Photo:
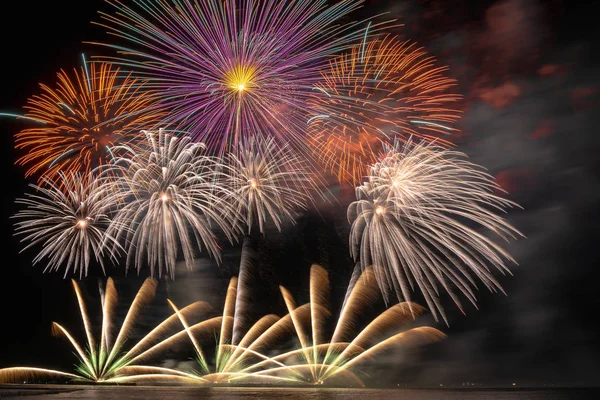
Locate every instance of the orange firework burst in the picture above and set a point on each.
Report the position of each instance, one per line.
(80, 118)
(381, 90)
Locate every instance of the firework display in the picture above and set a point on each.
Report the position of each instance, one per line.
(80, 118)
(380, 91)
(414, 220)
(209, 120)
(316, 360)
(235, 68)
(266, 182)
(106, 361)
(319, 360)
(166, 194)
(67, 218)
(244, 359)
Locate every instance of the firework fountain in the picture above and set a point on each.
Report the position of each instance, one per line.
(106, 360)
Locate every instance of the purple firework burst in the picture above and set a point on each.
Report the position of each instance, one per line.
(228, 69)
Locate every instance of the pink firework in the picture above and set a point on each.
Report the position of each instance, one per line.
(229, 69)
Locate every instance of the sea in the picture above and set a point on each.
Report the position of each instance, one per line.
(55, 392)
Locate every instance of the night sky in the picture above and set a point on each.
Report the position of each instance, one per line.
(528, 72)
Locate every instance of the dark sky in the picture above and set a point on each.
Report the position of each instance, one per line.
(528, 71)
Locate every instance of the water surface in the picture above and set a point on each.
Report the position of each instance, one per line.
(71, 392)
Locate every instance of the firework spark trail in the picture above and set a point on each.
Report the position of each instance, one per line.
(79, 119)
(362, 294)
(381, 90)
(294, 361)
(165, 196)
(143, 297)
(240, 350)
(394, 317)
(88, 369)
(199, 352)
(109, 302)
(237, 349)
(229, 313)
(243, 291)
(20, 374)
(281, 328)
(297, 354)
(205, 329)
(298, 369)
(242, 374)
(235, 320)
(151, 339)
(414, 337)
(356, 274)
(319, 296)
(298, 326)
(230, 358)
(267, 183)
(140, 373)
(413, 222)
(67, 218)
(84, 316)
(228, 69)
(254, 378)
(158, 378)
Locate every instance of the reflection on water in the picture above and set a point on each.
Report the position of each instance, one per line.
(187, 393)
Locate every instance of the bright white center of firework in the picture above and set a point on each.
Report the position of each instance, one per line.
(379, 210)
(241, 87)
(396, 182)
(253, 183)
(82, 223)
(164, 198)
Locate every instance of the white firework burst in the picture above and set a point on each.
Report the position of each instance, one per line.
(66, 218)
(266, 183)
(416, 221)
(166, 197)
